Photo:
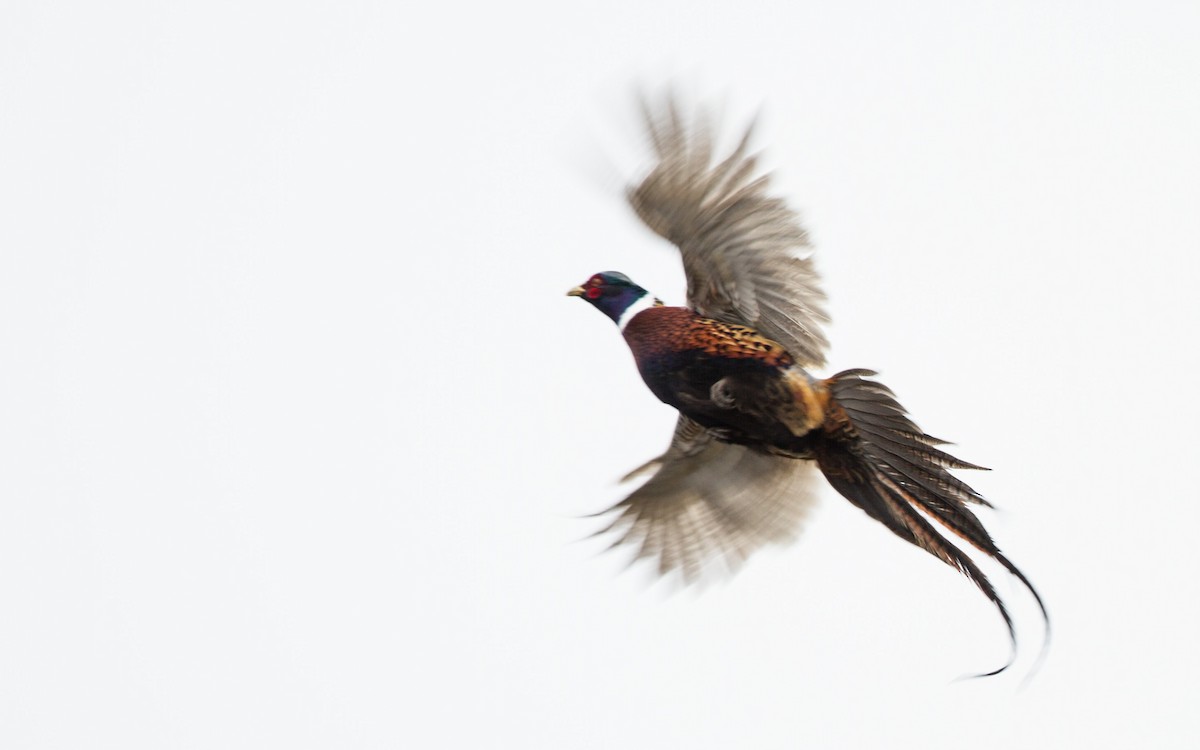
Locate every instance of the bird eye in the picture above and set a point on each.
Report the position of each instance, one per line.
(593, 292)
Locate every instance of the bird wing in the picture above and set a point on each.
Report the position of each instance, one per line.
(876, 457)
(709, 500)
(739, 243)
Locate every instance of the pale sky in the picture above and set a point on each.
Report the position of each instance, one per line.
(296, 421)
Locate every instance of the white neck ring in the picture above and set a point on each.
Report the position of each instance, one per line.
(645, 302)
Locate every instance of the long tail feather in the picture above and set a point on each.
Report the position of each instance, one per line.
(875, 456)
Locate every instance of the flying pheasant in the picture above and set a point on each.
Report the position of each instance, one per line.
(752, 420)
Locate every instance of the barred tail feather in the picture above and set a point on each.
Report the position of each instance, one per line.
(875, 456)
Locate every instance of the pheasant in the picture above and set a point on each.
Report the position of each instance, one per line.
(753, 422)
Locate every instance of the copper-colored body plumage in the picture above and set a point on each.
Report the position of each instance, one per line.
(677, 328)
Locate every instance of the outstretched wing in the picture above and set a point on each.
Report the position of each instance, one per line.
(709, 501)
(874, 455)
(739, 244)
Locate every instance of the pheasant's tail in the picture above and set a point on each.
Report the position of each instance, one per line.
(874, 455)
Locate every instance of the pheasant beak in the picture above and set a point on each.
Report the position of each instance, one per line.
(576, 292)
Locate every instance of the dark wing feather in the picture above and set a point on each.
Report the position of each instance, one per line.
(739, 244)
(710, 501)
(875, 456)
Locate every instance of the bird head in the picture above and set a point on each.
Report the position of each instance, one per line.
(610, 292)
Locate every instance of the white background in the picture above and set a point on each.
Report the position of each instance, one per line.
(295, 419)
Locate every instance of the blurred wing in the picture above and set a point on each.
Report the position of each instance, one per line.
(709, 500)
(739, 244)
